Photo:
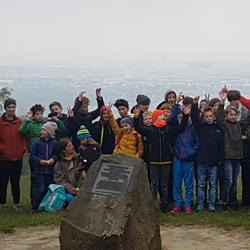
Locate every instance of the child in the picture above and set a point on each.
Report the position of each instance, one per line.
(214, 103)
(31, 126)
(103, 132)
(210, 154)
(43, 156)
(233, 150)
(128, 141)
(161, 137)
(170, 98)
(57, 113)
(82, 116)
(89, 150)
(123, 108)
(185, 150)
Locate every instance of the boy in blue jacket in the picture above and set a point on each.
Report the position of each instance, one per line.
(43, 159)
(185, 150)
(210, 154)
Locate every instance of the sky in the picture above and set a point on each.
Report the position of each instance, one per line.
(76, 31)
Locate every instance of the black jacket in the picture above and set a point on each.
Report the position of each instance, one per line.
(83, 119)
(161, 140)
(104, 135)
(211, 150)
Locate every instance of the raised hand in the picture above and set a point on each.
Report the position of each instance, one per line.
(179, 98)
(81, 94)
(207, 97)
(98, 92)
(223, 94)
(29, 115)
(70, 112)
(196, 99)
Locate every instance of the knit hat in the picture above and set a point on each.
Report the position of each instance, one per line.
(204, 103)
(127, 120)
(213, 101)
(8, 102)
(50, 127)
(156, 114)
(121, 102)
(83, 133)
(143, 100)
(103, 108)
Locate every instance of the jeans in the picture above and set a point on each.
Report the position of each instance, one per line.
(10, 171)
(231, 172)
(205, 173)
(183, 170)
(159, 175)
(69, 198)
(40, 184)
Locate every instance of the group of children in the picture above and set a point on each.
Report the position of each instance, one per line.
(182, 139)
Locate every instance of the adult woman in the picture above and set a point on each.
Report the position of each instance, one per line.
(12, 147)
(68, 171)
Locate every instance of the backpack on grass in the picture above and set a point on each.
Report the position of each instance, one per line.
(54, 199)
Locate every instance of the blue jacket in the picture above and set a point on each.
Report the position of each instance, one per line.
(187, 144)
(43, 150)
(211, 150)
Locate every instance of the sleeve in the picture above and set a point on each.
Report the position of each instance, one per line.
(220, 116)
(116, 129)
(60, 126)
(143, 130)
(61, 179)
(34, 154)
(195, 117)
(25, 127)
(140, 146)
(184, 121)
(94, 114)
(174, 115)
(246, 102)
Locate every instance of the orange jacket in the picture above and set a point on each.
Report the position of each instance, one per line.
(12, 144)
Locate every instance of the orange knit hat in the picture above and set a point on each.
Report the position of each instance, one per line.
(156, 114)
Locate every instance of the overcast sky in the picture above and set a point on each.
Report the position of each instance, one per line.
(66, 31)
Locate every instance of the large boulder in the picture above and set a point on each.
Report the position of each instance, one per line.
(114, 209)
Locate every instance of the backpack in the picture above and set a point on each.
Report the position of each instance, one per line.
(54, 199)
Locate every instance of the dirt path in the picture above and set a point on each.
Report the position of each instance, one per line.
(173, 238)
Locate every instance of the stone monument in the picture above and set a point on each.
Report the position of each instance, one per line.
(114, 209)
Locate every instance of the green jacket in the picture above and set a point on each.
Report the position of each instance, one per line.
(32, 129)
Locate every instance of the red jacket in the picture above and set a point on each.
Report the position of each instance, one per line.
(246, 102)
(12, 144)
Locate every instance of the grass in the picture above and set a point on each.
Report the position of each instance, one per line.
(10, 219)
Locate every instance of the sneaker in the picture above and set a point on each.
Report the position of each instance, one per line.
(3, 206)
(211, 209)
(199, 209)
(187, 210)
(17, 207)
(176, 210)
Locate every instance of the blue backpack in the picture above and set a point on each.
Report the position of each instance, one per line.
(54, 199)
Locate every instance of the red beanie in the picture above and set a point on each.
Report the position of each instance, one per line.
(103, 108)
(156, 114)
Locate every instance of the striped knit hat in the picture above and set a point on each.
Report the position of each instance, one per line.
(83, 133)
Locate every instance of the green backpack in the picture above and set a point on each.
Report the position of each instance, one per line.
(54, 199)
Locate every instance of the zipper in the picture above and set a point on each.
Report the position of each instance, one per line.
(160, 142)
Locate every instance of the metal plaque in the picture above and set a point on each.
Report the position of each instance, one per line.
(112, 179)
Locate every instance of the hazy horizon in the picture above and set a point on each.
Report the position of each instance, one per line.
(62, 32)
